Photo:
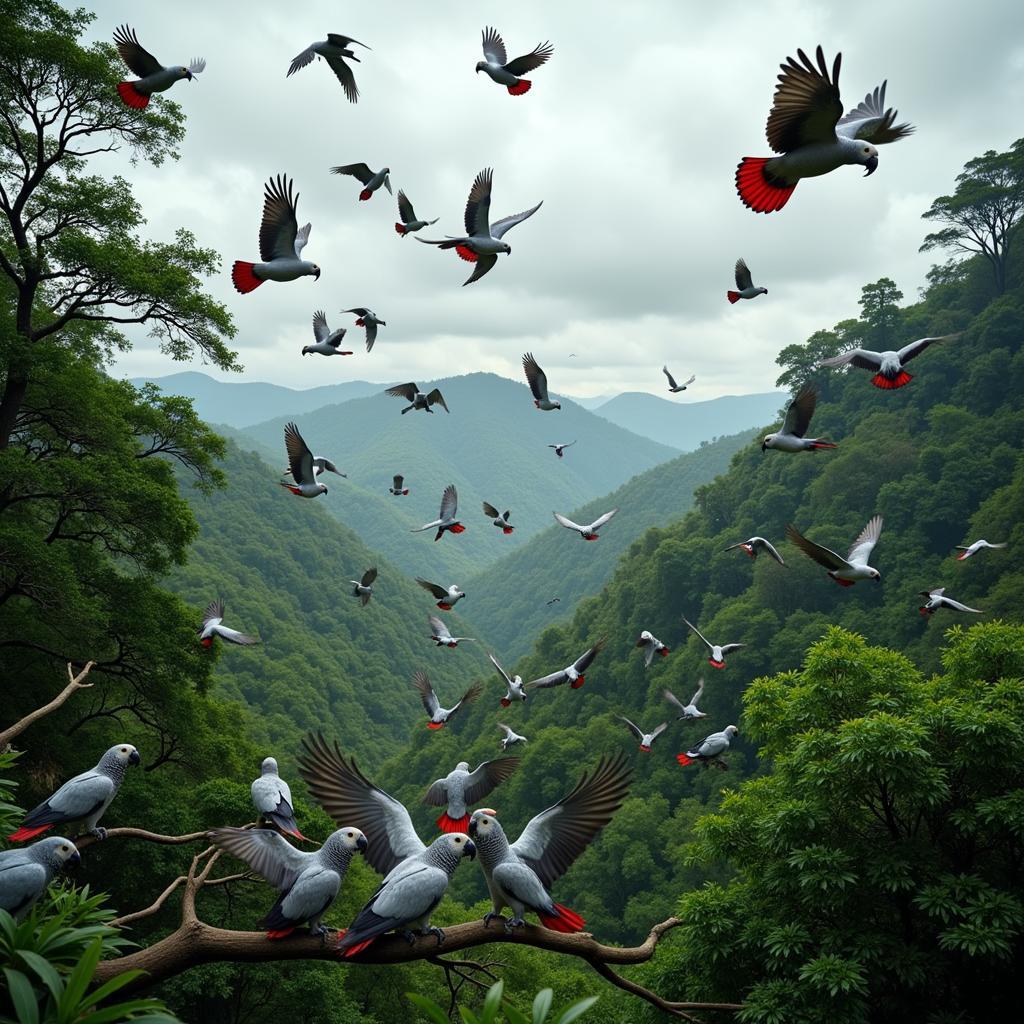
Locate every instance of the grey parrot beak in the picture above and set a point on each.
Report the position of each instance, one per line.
(764, 446)
(871, 165)
(470, 850)
(133, 757)
(472, 827)
(189, 75)
(75, 859)
(361, 844)
(317, 275)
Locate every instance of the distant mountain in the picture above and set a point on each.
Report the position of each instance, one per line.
(242, 403)
(685, 425)
(508, 602)
(493, 447)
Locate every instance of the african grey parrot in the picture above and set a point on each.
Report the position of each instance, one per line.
(300, 461)
(717, 652)
(673, 386)
(411, 393)
(520, 875)
(409, 222)
(26, 872)
(709, 749)
(807, 128)
(397, 487)
(438, 715)
(363, 587)
(753, 546)
(448, 517)
(328, 342)
(573, 674)
(538, 381)
(333, 49)
(369, 320)
(272, 798)
(652, 646)
(416, 876)
(514, 687)
(646, 738)
(462, 786)
(888, 365)
(937, 600)
(790, 436)
(688, 712)
(845, 571)
(482, 241)
(745, 284)
(503, 71)
(213, 626)
(153, 76)
(371, 180)
(83, 798)
(560, 448)
(511, 738)
(308, 882)
(442, 635)
(972, 549)
(447, 599)
(281, 242)
(588, 532)
(499, 519)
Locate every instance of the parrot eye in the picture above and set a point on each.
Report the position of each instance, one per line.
(63, 849)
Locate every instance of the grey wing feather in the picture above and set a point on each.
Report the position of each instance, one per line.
(139, 59)
(279, 227)
(300, 458)
(436, 590)
(304, 58)
(696, 631)
(671, 379)
(345, 76)
(860, 549)
(467, 698)
(78, 796)
(267, 853)
(360, 171)
(369, 576)
(582, 663)
(426, 692)
(405, 210)
(487, 776)
(478, 205)
(406, 391)
(535, 377)
(214, 610)
(862, 358)
(659, 730)
(871, 121)
(743, 278)
(673, 700)
(449, 502)
(504, 675)
(320, 329)
(800, 411)
(500, 227)
(440, 630)
(437, 795)
(530, 61)
(490, 510)
(915, 348)
(494, 47)
(637, 731)
(822, 555)
(436, 398)
(806, 105)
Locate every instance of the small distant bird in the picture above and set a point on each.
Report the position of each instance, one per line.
(448, 517)
(482, 241)
(462, 786)
(790, 438)
(554, 600)
(559, 448)
(745, 284)
(807, 128)
(888, 365)
(272, 798)
(437, 714)
(363, 588)
(499, 519)
(442, 636)
(447, 597)
(500, 69)
(333, 49)
(586, 532)
(511, 738)
(710, 749)
(937, 600)
(514, 688)
(396, 487)
(652, 646)
(687, 712)
(573, 674)
(717, 651)
(300, 462)
(409, 222)
(281, 242)
(646, 738)
(153, 76)
(973, 549)
(755, 545)
(673, 386)
(369, 320)
(538, 381)
(213, 626)
(411, 393)
(328, 342)
(845, 571)
(371, 180)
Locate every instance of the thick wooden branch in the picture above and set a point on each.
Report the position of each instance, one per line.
(75, 683)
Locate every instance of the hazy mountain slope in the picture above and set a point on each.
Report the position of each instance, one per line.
(240, 403)
(493, 447)
(685, 424)
(508, 601)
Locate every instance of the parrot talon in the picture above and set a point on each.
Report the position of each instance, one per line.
(515, 922)
(437, 932)
(409, 936)
(99, 832)
(320, 931)
(490, 916)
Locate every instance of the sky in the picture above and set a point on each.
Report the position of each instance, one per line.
(630, 135)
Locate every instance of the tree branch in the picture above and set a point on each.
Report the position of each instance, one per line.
(75, 683)
(140, 833)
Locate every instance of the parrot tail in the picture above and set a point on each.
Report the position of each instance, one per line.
(280, 933)
(843, 583)
(823, 444)
(466, 253)
(924, 611)
(359, 947)
(594, 537)
(563, 920)
(577, 683)
(400, 228)
(458, 528)
(716, 664)
(505, 702)
(207, 641)
(23, 834)
(244, 279)
(759, 191)
(435, 725)
(131, 96)
(444, 606)
(360, 322)
(364, 195)
(446, 824)
(733, 296)
(521, 87)
(685, 759)
(961, 556)
(891, 383)
(507, 530)
(664, 652)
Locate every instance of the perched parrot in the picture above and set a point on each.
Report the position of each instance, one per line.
(272, 798)
(26, 872)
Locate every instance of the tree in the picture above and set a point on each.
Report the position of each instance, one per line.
(980, 217)
(879, 865)
(879, 313)
(69, 245)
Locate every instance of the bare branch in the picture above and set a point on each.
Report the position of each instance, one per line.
(140, 833)
(121, 922)
(75, 683)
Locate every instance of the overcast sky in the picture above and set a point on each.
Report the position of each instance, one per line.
(630, 135)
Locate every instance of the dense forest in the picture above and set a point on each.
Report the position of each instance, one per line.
(856, 858)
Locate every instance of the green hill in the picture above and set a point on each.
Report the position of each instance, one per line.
(509, 600)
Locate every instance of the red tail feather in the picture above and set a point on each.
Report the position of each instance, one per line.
(280, 933)
(760, 192)
(466, 253)
(685, 759)
(458, 528)
(207, 641)
(716, 664)
(891, 384)
(961, 556)
(131, 96)
(507, 529)
(646, 750)
(577, 683)
(400, 228)
(505, 702)
(446, 824)
(298, 835)
(733, 296)
(664, 652)
(435, 725)
(24, 834)
(564, 920)
(244, 279)
(360, 322)
(444, 606)
(823, 444)
(925, 611)
(359, 947)
(522, 86)
(844, 583)
(364, 195)
(595, 537)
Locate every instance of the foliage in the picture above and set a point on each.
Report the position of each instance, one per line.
(492, 1007)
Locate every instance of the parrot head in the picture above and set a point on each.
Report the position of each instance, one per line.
(125, 752)
(483, 822)
(462, 766)
(480, 65)
(506, 248)
(461, 844)
(876, 575)
(731, 730)
(868, 156)
(766, 443)
(316, 271)
(269, 766)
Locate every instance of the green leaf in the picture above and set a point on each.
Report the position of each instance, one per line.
(23, 996)
(429, 1007)
(78, 981)
(492, 1002)
(577, 1010)
(542, 1005)
(45, 970)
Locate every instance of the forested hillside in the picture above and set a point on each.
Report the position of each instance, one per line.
(510, 598)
